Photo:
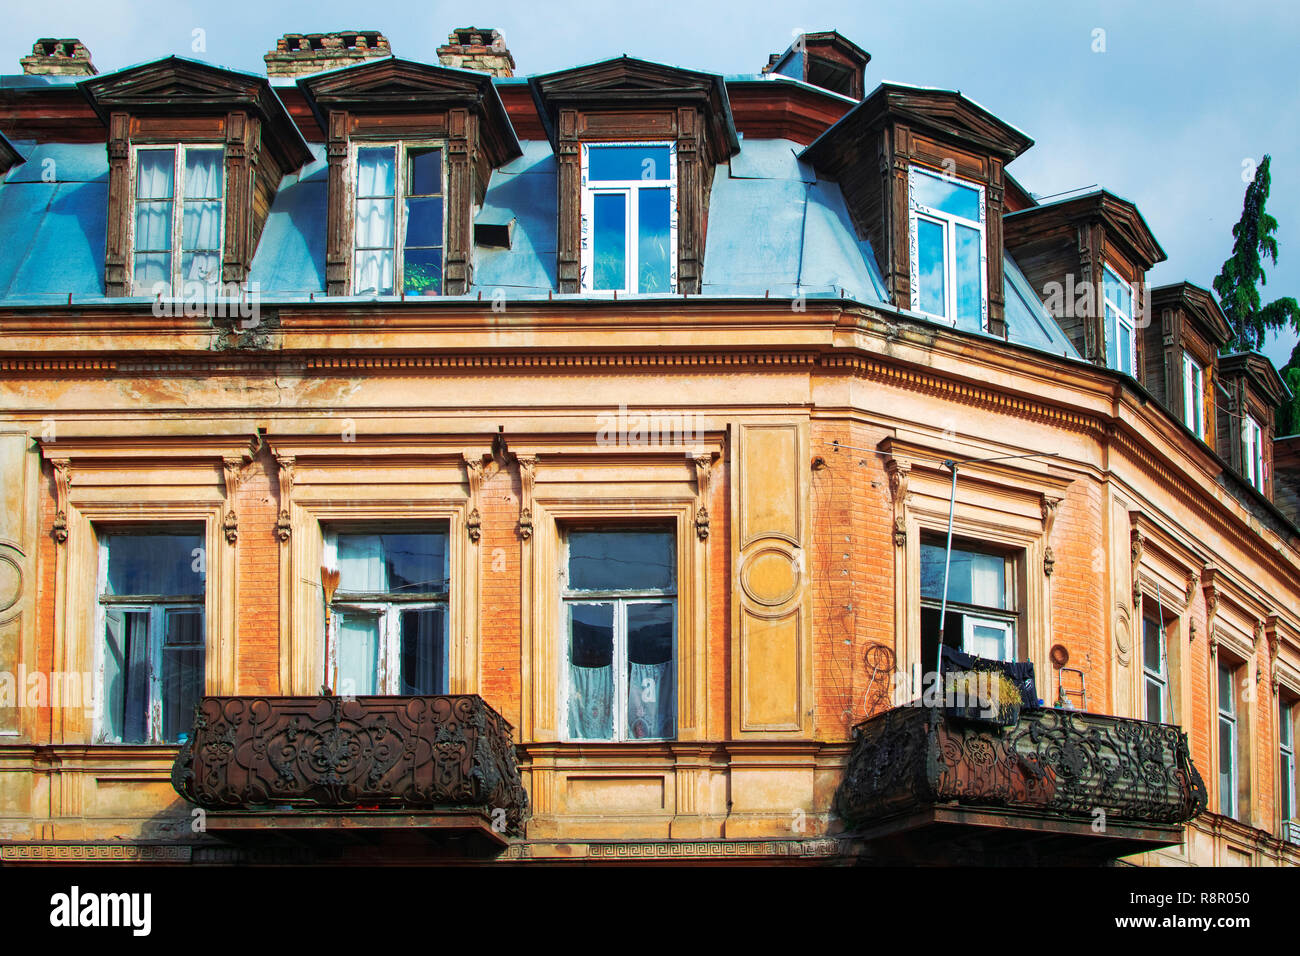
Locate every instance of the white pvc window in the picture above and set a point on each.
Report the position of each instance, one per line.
(388, 617)
(1252, 452)
(398, 217)
(949, 257)
(151, 659)
(1228, 769)
(178, 220)
(1155, 667)
(1194, 395)
(629, 217)
(1121, 331)
(619, 607)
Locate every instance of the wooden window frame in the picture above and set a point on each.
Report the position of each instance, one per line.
(402, 148)
(1231, 714)
(1288, 790)
(178, 284)
(388, 607)
(621, 599)
(1252, 452)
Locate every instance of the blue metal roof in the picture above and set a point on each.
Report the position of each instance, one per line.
(775, 229)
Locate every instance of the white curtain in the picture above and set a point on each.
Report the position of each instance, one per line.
(986, 580)
(650, 700)
(358, 653)
(153, 173)
(361, 563)
(375, 172)
(591, 695)
(374, 224)
(201, 220)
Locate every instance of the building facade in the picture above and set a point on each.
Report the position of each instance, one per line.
(425, 462)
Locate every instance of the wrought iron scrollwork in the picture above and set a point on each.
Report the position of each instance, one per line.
(1065, 762)
(452, 752)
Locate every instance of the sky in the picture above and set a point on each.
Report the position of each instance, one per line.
(1168, 104)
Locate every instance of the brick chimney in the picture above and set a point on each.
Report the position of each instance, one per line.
(473, 48)
(298, 54)
(50, 57)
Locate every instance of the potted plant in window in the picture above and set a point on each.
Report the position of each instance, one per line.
(422, 280)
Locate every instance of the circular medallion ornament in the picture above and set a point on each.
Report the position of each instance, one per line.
(770, 577)
(11, 582)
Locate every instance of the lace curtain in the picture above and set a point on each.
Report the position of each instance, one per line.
(201, 220)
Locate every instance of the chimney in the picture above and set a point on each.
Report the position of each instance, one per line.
(52, 57)
(472, 48)
(298, 54)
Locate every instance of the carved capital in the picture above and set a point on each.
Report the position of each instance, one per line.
(703, 477)
(62, 478)
(474, 476)
(1137, 540)
(283, 523)
(898, 471)
(1211, 607)
(527, 479)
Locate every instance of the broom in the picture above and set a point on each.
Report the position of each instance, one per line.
(329, 583)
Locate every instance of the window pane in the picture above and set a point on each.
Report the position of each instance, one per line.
(1125, 349)
(1284, 724)
(203, 173)
(423, 651)
(609, 259)
(201, 225)
(151, 268)
(423, 172)
(126, 676)
(651, 694)
(606, 163)
(374, 224)
(358, 653)
(653, 254)
(1227, 792)
(973, 578)
(154, 564)
(375, 171)
(952, 198)
(154, 169)
(204, 267)
(182, 670)
(153, 226)
(1155, 701)
(374, 272)
(1117, 291)
(1151, 649)
(929, 267)
(591, 671)
(422, 272)
(620, 560)
(1227, 698)
(392, 563)
(988, 640)
(424, 222)
(967, 275)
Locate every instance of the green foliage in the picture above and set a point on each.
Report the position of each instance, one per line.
(1238, 283)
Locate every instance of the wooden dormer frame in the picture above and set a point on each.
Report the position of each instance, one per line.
(394, 99)
(174, 101)
(1068, 244)
(1184, 319)
(626, 100)
(871, 150)
(9, 155)
(1253, 387)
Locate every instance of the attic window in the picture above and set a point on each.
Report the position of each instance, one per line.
(179, 219)
(836, 77)
(948, 248)
(398, 244)
(629, 221)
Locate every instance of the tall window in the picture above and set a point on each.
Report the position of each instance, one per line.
(179, 219)
(1286, 764)
(1194, 395)
(152, 658)
(949, 261)
(1121, 336)
(619, 593)
(981, 614)
(1229, 768)
(1252, 452)
(629, 219)
(388, 620)
(1155, 671)
(398, 244)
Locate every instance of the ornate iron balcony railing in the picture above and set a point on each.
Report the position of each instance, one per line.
(1055, 762)
(427, 753)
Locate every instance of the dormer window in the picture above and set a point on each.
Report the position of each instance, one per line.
(948, 249)
(398, 245)
(179, 219)
(1194, 395)
(629, 222)
(1121, 334)
(1252, 439)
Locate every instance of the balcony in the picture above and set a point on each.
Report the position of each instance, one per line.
(368, 770)
(1057, 786)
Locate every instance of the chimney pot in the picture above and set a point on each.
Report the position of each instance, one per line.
(475, 48)
(58, 57)
(299, 54)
